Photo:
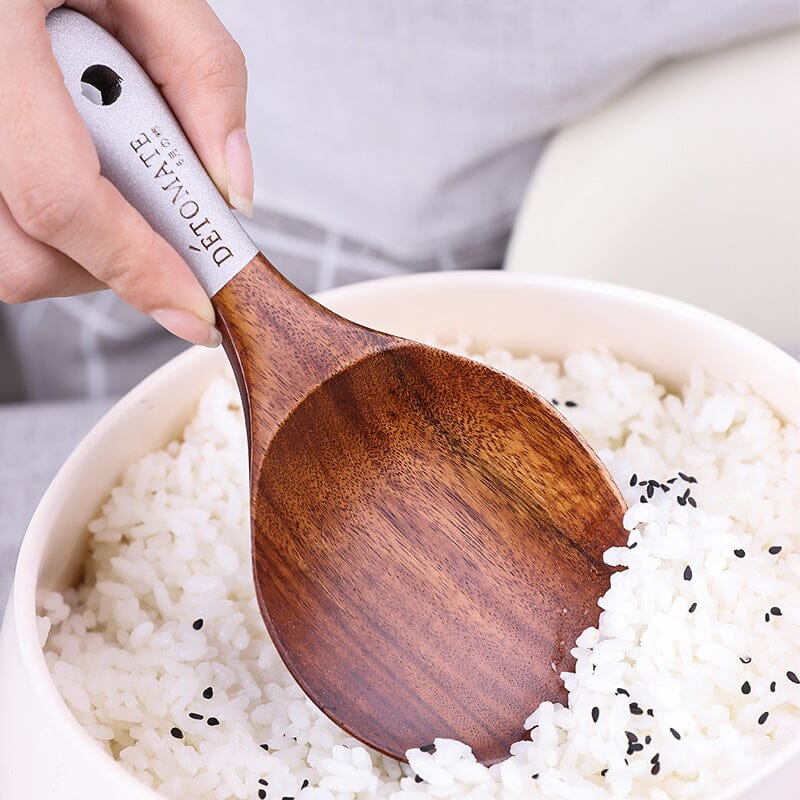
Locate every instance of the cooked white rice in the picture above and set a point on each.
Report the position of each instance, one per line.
(696, 638)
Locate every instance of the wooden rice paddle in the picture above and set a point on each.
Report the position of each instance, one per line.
(427, 533)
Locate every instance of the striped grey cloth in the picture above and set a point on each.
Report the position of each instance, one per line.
(388, 137)
(36, 439)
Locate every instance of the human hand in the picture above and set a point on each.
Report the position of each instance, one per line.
(64, 228)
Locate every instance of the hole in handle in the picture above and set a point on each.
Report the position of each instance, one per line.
(101, 85)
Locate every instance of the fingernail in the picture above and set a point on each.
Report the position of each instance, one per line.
(239, 165)
(203, 309)
(187, 326)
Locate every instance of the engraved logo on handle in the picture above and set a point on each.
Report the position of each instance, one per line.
(157, 153)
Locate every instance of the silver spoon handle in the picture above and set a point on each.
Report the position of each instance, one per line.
(144, 152)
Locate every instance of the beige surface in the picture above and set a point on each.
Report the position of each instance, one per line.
(688, 185)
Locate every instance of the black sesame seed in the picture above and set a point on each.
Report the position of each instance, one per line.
(687, 478)
(417, 779)
(535, 776)
(177, 733)
(746, 687)
(650, 712)
(656, 768)
(633, 480)
(305, 783)
(595, 714)
(632, 737)
(692, 608)
(648, 739)
(775, 611)
(687, 573)
(212, 721)
(739, 553)
(288, 797)
(195, 715)
(263, 782)
(654, 759)
(208, 693)
(635, 748)
(672, 480)
(763, 718)
(681, 501)
(603, 772)
(772, 686)
(262, 793)
(692, 502)
(664, 487)
(775, 549)
(642, 483)
(631, 546)
(766, 617)
(745, 660)
(620, 690)
(792, 677)
(634, 709)
(675, 733)
(642, 499)
(570, 404)
(197, 624)
(428, 748)
(264, 747)
(626, 762)
(554, 401)
(650, 491)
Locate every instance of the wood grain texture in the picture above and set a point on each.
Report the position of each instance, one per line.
(427, 532)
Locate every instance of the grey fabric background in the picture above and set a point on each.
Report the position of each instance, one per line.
(36, 441)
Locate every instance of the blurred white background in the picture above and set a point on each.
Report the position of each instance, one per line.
(687, 185)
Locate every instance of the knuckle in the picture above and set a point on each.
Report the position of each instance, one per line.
(117, 271)
(12, 293)
(221, 60)
(16, 288)
(45, 210)
(125, 267)
(120, 276)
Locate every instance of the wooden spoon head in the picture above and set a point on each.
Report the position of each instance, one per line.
(427, 545)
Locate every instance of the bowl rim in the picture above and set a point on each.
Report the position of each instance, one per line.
(478, 278)
(22, 602)
(22, 599)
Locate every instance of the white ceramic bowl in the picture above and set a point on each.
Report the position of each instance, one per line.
(45, 753)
